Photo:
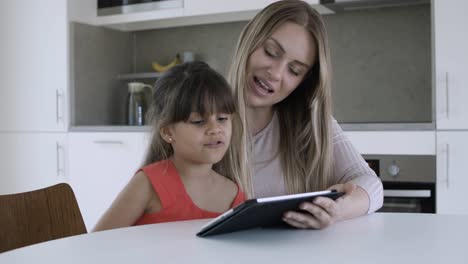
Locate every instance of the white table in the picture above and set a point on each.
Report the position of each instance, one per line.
(378, 238)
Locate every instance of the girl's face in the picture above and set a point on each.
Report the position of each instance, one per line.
(201, 139)
(279, 65)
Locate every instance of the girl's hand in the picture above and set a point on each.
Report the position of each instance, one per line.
(322, 212)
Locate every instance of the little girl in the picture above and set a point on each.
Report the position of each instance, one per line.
(186, 174)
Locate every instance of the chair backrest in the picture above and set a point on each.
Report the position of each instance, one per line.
(32, 217)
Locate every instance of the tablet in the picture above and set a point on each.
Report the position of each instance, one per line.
(260, 212)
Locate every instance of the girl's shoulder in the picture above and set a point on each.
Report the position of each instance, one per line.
(159, 168)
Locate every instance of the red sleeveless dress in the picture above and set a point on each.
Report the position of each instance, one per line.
(175, 201)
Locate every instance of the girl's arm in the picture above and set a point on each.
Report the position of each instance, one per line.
(364, 191)
(129, 205)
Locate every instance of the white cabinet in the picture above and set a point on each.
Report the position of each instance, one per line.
(100, 165)
(452, 173)
(383, 142)
(451, 63)
(182, 13)
(33, 65)
(205, 7)
(30, 161)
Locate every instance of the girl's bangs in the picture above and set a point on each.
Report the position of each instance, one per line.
(206, 96)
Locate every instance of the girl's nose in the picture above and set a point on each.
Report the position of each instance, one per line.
(213, 127)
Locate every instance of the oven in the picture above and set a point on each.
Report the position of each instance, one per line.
(408, 181)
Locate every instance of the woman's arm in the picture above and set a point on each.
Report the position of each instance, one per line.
(364, 191)
(129, 205)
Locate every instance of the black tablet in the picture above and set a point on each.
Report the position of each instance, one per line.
(260, 212)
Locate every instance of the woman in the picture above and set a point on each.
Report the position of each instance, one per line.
(281, 77)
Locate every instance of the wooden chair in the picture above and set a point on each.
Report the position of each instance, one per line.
(37, 216)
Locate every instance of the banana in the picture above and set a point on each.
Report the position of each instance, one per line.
(162, 68)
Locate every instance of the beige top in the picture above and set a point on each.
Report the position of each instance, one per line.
(349, 165)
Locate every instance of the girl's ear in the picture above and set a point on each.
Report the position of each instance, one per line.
(166, 134)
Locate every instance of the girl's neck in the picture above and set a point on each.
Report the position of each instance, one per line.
(259, 118)
(191, 170)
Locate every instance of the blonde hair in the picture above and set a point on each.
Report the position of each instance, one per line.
(195, 87)
(306, 151)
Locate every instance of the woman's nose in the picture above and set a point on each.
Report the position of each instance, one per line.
(276, 70)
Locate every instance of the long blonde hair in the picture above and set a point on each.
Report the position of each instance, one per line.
(306, 151)
(195, 87)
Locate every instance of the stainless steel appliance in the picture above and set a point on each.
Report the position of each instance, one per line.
(408, 180)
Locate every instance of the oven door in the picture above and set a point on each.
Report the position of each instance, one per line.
(409, 197)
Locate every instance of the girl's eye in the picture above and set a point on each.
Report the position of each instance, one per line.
(197, 122)
(223, 118)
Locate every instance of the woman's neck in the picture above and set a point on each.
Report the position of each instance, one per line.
(259, 118)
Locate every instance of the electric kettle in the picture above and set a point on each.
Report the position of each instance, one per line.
(136, 103)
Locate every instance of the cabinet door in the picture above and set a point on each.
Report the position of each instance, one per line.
(451, 63)
(205, 7)
(31, 161)
(33, 65)
(100, 165)
(452, 175)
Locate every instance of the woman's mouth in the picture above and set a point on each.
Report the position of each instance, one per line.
(262, 87)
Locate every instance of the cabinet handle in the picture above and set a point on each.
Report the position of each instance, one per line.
(116, 142)
(59, 167)
(447, 160)
(447, 93)
(58, 96)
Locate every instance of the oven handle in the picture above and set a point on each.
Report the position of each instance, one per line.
(408, 193)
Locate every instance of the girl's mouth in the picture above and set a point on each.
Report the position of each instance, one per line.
(215, 144)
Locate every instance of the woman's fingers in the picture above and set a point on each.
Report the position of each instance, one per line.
(295, 223)
(316, 217)
(322, 212)
(328, 205)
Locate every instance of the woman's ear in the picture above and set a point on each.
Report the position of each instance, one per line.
(166, 134)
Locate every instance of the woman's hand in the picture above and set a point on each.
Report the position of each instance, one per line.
(323, 211)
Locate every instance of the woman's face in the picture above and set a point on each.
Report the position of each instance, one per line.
(279, 65)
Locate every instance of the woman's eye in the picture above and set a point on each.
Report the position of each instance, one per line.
(295, 71)
(271, 52)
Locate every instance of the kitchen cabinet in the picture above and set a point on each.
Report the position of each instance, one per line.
(205, 7)
(187, 13)
(450, 63)
(31, 161)
(452, 177)
(100, 165)
(34, 65)
(393, 142)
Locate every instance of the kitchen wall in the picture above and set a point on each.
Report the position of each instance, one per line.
(381, 60)
(383, 54)
(98, 55)
(382, 64)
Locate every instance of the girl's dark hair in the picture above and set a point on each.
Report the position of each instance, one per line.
(195, 87)
(190, 87)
